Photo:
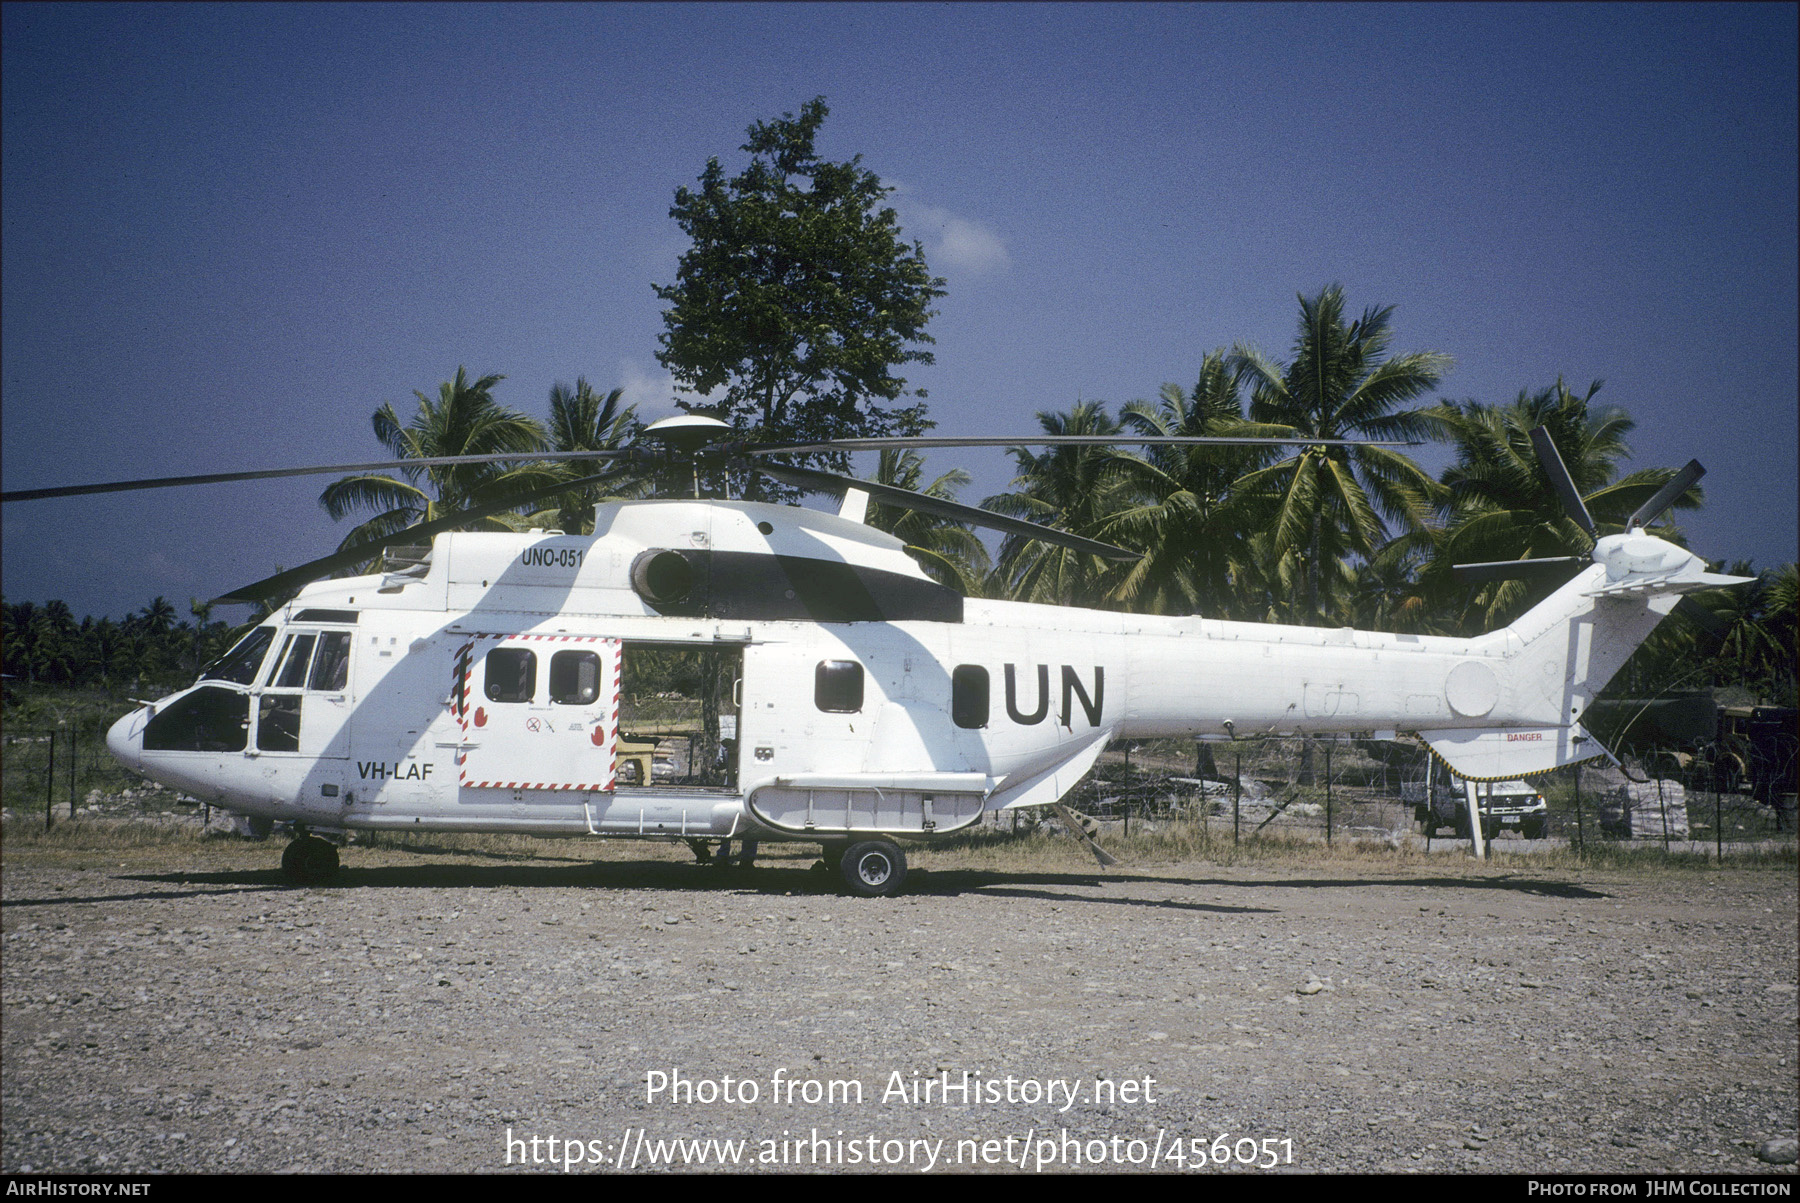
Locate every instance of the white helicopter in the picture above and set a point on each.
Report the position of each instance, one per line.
(829, 691)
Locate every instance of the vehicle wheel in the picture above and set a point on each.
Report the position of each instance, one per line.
(874, 868)
(309, 860)
(1534, 831)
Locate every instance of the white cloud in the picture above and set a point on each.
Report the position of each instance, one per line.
(652, 391)
(952, 243)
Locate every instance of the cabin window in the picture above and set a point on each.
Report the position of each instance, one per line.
(206, 720)
(511, 675)
(838, 686)
(239, 665)
(574, 678)
(969, 695)
(331, 667)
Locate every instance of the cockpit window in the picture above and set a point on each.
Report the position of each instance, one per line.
(275, 663)
(293, 667)
(239, 665)
(331, 666)
(206, 720)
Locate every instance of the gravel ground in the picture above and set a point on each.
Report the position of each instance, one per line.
(186, 1011)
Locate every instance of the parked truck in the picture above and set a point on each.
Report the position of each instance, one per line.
(1439, 800)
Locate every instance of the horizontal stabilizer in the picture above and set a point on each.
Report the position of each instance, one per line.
(1504, 753)
(1661, 585)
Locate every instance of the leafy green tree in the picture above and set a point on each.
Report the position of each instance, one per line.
(464, 419)
(1340, 384)
(798, 297)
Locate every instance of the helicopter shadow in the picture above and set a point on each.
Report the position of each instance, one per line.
(676, 878)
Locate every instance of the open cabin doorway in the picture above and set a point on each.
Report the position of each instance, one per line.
(678, 715)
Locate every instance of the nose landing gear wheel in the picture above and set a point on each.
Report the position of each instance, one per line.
(309, 859)
(874, 868)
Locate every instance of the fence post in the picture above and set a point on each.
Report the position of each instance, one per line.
(1328, 791)
(1663, 804)
(1126, 797)
(1718, 823)
(74, 751)
(1580, 835)
(1430, 799)
(1237, 786)
(50, 781)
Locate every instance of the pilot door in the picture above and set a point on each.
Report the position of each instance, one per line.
(537, 712)
(304, 698)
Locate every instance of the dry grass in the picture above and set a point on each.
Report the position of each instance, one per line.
(181, 839)
(1212, 843)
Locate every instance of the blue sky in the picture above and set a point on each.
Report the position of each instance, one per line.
(230, 233)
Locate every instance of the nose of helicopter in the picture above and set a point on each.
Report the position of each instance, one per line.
(125, 738)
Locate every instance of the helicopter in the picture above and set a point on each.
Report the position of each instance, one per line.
(712, 671)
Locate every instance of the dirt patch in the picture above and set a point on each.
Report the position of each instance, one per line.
(181, 1009)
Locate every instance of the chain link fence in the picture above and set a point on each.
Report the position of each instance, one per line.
(63, 773)
(1321, 788)
(1339, 788)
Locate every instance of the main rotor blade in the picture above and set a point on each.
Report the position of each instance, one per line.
(1518, 570)
(326, 565)
(170, 482)
(831, 482)
(1061, 440)
(1564, 484)
(1666, 496)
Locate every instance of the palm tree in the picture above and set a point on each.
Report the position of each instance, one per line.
(1073, 488)
(1184, 509)
(947, 550)
(1341, 384)
(463, 420)
(1498, 503)
(584, 420)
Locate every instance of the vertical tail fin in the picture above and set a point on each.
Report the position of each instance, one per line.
(1561, 654)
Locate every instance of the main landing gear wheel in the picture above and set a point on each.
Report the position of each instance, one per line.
(309, 860)
(874, 868)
